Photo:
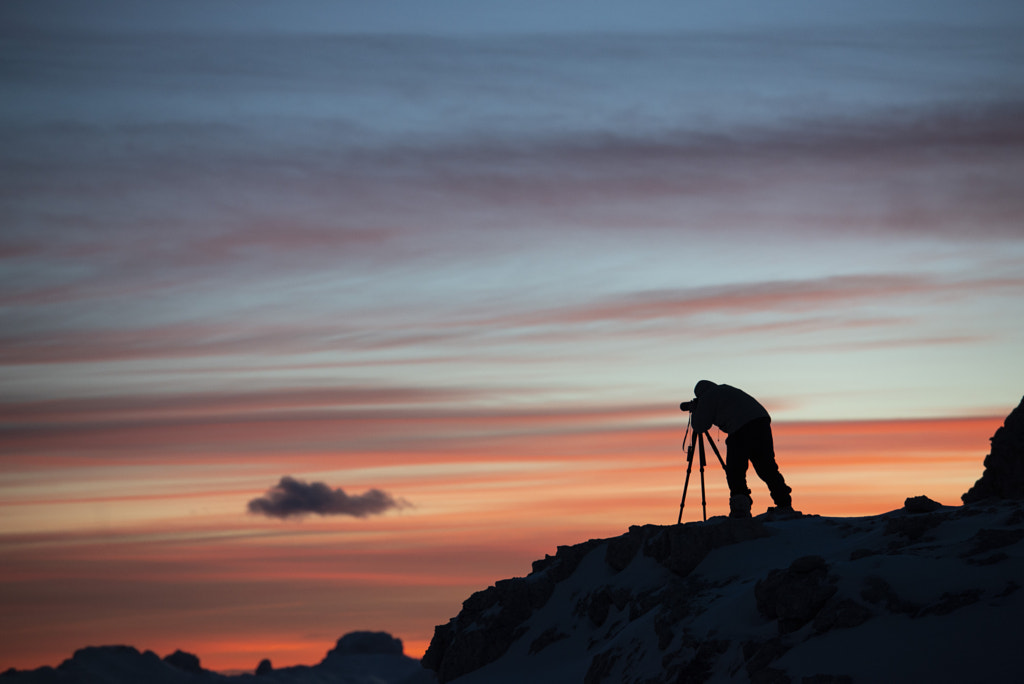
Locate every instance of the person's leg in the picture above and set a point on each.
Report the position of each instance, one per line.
(762, 457)
(736, 459)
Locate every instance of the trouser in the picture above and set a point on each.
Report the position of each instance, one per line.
(753, 444)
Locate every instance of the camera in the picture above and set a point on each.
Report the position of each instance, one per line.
(688, 405)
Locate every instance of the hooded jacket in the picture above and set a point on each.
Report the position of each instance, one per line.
(724, 406)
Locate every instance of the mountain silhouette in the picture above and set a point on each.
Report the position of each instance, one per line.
(357, 658)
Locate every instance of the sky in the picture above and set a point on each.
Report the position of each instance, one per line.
(319, 317)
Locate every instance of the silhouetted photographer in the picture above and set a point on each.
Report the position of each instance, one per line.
(749, 440)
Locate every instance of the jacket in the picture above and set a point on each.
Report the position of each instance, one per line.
(726, 407)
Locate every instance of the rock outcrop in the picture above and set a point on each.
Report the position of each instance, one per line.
(796, 595)
(1003, 477)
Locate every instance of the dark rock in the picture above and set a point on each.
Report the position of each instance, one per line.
(1003, 477)
(758, 655)
(920, 504)
(265, 667)
(597, 605)
(184, 661)
(622, 550)
(702, 665)
(471, 649)
(642, 603)
(548, 637)
(566, 560)
(675, 605)
(877, 591)
(601, 666)
(681, 548)
(433, 657)
(488, 624)
(913, 528)
(994, 559)
(953, 601)
(842, 614)
(985, 540)
(1016, 517)
(795, 595)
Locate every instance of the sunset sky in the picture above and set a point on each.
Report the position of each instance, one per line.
(462, 261)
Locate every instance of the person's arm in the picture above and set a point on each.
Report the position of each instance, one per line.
(703, 415)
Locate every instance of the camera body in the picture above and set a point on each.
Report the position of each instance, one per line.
(688, 405)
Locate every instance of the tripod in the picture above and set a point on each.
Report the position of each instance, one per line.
(697, 439)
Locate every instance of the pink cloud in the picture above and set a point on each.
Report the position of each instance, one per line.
(786, 296)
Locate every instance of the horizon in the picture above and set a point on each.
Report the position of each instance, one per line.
(444, 275)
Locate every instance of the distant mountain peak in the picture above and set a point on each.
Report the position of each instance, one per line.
(358, 658)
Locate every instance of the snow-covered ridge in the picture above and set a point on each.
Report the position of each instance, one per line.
(924, 593)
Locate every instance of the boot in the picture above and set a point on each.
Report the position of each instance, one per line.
(739, 505)
(783, 502)
(781, 513)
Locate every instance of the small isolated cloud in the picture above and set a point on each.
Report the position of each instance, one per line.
(291, 497)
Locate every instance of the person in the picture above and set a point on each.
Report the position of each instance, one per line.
(749, 440)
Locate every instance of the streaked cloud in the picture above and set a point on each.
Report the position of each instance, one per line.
(793, 303)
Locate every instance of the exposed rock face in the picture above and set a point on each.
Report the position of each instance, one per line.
(796, 595)
(1003, 477)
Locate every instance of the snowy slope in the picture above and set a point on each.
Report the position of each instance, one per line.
(905, 596)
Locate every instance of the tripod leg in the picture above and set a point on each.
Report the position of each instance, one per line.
(703, 495)
(715, 449)
(686, 483)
